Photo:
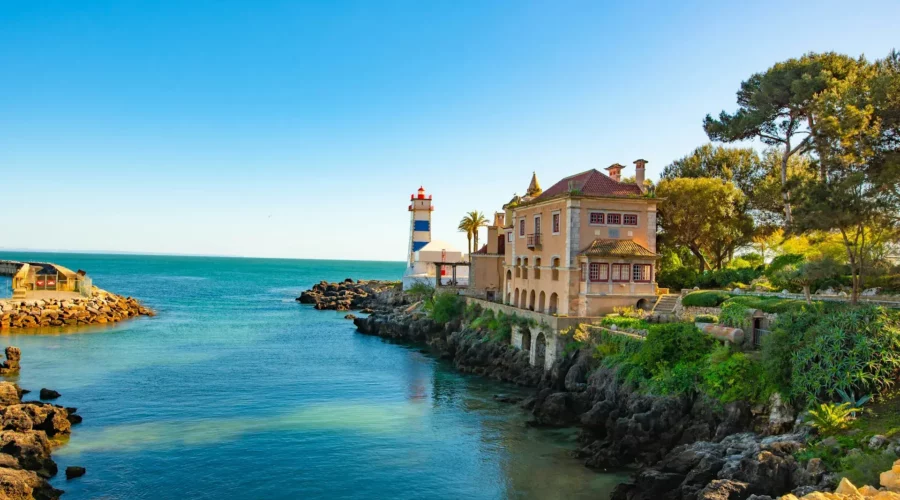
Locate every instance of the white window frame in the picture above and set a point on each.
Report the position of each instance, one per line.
(537, 224)
(637, 219)
(591, 212)
(522, 227)
(558, 215)
(618, 224)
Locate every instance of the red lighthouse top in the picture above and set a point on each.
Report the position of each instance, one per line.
(421, 193)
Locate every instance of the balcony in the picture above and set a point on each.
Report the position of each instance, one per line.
(533, 240)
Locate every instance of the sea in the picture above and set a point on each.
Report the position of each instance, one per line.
(235, 390)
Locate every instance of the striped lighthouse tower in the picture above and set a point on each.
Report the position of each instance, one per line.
(419, 223)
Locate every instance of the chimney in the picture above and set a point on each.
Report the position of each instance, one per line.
(615, 171)
(639, 173)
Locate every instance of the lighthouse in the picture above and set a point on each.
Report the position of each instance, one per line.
(419, 223)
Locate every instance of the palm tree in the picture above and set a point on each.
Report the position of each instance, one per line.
(470, 224)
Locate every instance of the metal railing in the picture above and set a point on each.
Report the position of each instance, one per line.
(758, 335)
(533, 240)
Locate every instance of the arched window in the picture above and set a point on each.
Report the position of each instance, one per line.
(554, 303)
(537, 268)
(525, 268)
(516, 301)
(554, 273)
(542, 302)
(531, 301)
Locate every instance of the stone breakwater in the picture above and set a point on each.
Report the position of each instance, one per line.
(29, 432)
(686, 447)
(101, 308)
(346, 295)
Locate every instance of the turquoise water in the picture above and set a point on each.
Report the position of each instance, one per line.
(236, 391)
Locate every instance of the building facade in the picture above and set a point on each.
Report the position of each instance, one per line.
(582, 247)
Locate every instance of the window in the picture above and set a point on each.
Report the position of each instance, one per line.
(537, 224)
(509, 236)
(613, 218)
(596, 218)
(555, 223)
(629, 219)
(521, 228)
(641, 273)
(620, 272)
(599, 272)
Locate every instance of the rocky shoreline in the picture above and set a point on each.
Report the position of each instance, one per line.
(345, 295)
(101, 308)
(684, 447)
(29, 431)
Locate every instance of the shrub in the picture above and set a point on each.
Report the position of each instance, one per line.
(683, 378)
(628, 312)
(445, 307)
(678, 278)
(865, 468)
(706, 318)
(622, 322)
(768, 304)
(734, 376)
(830, 418)
(734, 314)
(420, 291)
(705, 299)
(852, 349)
(671, 343)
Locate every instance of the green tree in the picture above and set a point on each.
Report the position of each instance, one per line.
(706, 216)
(806, 274)
(778, 107)
(470, 224)
(740, 166)
(857, 155)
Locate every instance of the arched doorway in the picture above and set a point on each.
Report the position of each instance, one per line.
(537, 268)
(554, 305)
(516, 302)
(523, 300)
(540, 350)
(644, 304)
(542, 301)
(508, 275)
(531, 301)
(526, 339)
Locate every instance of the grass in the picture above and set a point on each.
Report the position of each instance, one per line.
(882, 417)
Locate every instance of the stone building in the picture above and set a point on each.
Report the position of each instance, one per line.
(585, 245)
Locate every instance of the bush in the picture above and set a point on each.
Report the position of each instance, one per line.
(774, 269)
(734, 376)
(445, 307)
(671, 343)
(865, 468)
(830, 418)
(706, 318)
(420, 291)
(768, 304)
(679, 278)
(623, 322)
(852, 349)
(734, 314)
(705, 299)
(684, 378)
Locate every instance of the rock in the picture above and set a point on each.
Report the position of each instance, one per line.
(31, 449)
(781, 415)
(891, 479)
(9, 394)
(877, 441)
(870, 292)
(49, 394)
(350, 316)
(846, 488)
(74, 471)
(11, 365)
(723, 489)
(17, 484)
(504, 398)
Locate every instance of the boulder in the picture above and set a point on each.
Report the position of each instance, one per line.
(11, 365)
(9, 394)
(74, 471)
(31, 449)
(49, 394)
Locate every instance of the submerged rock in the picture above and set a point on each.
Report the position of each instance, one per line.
(49, 394)
(74, 471)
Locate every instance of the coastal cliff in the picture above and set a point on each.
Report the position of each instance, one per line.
(685, 447)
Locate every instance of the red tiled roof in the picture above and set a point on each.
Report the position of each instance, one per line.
(617, 248)
(592, 183)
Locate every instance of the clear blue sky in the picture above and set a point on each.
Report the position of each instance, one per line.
(299, 129)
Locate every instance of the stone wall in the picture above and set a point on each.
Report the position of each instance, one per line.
(553, 345)
(101, 308)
